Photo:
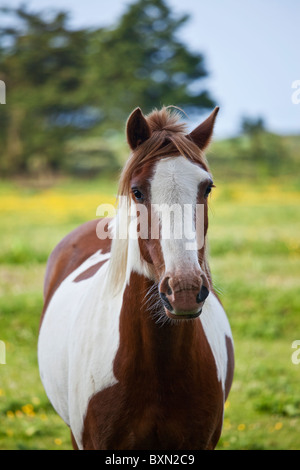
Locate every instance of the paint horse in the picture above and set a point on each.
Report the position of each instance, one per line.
(135, 350)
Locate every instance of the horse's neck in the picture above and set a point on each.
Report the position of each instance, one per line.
(146, 342)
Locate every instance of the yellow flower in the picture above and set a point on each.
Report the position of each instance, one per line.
(54, 204)
(28, 410)
(278, 426)
(241, 427)
(58, 441)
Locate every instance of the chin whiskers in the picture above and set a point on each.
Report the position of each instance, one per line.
(150, 296)
(154, 306)
(161, 317)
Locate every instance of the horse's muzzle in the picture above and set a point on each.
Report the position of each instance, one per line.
(183, 298)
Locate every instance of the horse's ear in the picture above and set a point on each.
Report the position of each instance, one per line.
(203, 133)
(137, 129)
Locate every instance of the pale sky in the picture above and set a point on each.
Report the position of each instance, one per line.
(251, 49)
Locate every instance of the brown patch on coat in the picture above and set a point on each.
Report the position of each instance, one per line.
(90, 271)
(230, 366)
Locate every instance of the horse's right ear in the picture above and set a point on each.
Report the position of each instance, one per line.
(202, 134)
(137, 129)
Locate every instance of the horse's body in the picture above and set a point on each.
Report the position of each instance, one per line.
(117, 373)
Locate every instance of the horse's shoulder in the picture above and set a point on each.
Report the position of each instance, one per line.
(70, 253)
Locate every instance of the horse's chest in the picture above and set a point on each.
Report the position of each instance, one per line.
(150, 418)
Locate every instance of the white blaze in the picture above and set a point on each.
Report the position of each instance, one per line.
(174, 189)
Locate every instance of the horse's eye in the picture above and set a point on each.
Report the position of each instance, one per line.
(138, 195)
(208, 190)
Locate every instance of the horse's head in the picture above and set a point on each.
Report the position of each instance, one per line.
(168, 181)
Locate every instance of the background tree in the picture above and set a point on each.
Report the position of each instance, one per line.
(252, 126)
(266, 150)
(142, 62)
(42, 63)
(65, 83)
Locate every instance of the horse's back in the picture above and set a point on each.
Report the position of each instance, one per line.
(69, 254)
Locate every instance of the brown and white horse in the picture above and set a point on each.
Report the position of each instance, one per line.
(135, 350)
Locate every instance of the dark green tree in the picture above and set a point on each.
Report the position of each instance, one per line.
(42, 63)
(63, 83)
(264, 149)
(252, 126)
(142, 62)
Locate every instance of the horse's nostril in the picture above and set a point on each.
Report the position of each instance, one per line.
(169, 290)
(201, 296)
(166, 301)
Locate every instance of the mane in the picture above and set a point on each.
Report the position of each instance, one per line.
(168, 138)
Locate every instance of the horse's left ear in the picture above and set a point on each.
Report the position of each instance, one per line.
(137, 129)
(201, 136)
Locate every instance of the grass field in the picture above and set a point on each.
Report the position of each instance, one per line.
(254, 252)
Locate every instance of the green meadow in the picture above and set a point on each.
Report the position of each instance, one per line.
(254, 255)
(68, 91)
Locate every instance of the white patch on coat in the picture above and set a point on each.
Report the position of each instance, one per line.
(216, 328)
(78, 342)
